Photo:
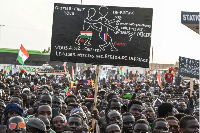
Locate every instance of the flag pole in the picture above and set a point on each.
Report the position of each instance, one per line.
(152, 60)
(95, 95)
(191, 87)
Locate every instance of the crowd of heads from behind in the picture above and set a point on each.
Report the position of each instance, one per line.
(126, 103)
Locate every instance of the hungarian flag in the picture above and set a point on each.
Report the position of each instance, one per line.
(22, 55)
(86, 34)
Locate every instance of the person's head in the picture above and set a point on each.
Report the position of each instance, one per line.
(58, 124)
(32, 99)
(141, 126)
(17, 91)
(173, 123)
(128, 122)
(113, 128)
(165, 110)
(26, 91)
(114, 117)
(135, 108)
(16, 124)
(103, 105)
(179, 116)
(35, 125)
(45, 99)
(170, 70)
(12, 88)
(111, 96)
(114, 104)
(168, 96)
(189, 124)
(146, 100)
(30, 111)
(70, 99)
(56, 102)
(56, 92)
(2, 107)
(3, 128)
(25, 99)
(69, 108)
(196, 113)
(12, 109)
(89, 105)
(44, 110)
(162, 97)
(188, 111)
(16, 100)
(75, 124)
(39, 91)
(175, 104)
(46, 122)
(181, 107)
(150, 114)
(79, 111)
(148, 94)
(102, 93)
(160, 125)
(7, 91)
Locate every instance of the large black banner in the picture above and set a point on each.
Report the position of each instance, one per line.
(189, 67)
(101, 35)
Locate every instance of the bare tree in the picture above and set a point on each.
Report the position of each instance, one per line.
(46, 50)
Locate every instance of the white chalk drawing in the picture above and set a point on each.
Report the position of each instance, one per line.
(104, 26)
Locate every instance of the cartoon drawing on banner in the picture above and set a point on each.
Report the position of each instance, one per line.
(105, 26)
(87, 28)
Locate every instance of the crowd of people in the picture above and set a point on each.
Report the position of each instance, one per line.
(47, 104)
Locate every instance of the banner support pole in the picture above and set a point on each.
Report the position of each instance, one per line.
(191, 86)
(95, 95)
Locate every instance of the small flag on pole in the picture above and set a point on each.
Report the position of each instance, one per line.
(65, 69)
(127, 95)
(73, 75)
(22, 55)
(72, 84)
(66, 89)
(159, 80)
(92, 82)
(120, 70)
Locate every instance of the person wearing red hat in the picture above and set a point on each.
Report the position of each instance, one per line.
(169, 76)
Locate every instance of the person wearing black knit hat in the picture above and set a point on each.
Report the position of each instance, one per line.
(11, 110)
(35, 125)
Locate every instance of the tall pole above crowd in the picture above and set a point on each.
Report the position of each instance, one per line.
(0, 32)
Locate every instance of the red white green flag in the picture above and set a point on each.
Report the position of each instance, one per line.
(120, 70)
(86, 34)
(22, 55)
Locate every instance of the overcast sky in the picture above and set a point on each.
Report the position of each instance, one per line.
(29, 22)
